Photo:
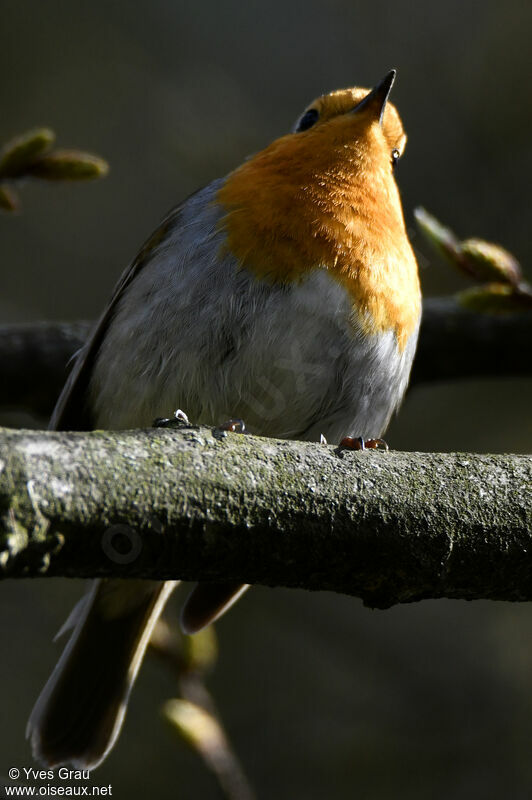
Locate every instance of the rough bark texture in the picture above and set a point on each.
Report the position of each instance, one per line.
(454, 343)
(197, 504)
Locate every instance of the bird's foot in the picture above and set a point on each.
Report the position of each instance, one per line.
(359, 443)
(179, 420)
(236, 425)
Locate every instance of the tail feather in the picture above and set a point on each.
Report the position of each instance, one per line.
(80, 711)
(207, 602)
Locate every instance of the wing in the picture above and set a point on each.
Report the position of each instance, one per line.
(72, 411)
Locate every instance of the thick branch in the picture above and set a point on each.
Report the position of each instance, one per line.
(388, 527)
(454, 343)
(34, 361)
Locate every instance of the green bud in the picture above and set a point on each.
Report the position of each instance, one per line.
(8, 198)
(489, 262)
(201, 650)
(496, 298)
(199, 729)
(20, 153)
(440, 237)
(69, 165)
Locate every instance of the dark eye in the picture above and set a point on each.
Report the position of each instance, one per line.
(307, 120)
(396, 155)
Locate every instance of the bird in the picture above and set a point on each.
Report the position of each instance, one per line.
(286, 294)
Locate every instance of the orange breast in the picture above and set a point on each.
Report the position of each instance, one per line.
(291, 210)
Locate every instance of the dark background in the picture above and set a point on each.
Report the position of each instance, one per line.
(322, 698)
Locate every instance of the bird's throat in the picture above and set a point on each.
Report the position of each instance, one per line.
(285, 217)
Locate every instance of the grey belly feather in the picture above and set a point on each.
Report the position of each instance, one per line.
(194, 331)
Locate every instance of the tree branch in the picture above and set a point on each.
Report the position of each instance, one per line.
(193, 504)
(454, 343)
(34, 361)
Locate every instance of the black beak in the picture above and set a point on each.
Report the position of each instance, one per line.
(376, 99)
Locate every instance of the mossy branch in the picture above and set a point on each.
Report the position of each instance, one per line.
(196, 504)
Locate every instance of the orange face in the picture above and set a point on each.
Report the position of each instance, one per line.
(343, 101)
(325, 198)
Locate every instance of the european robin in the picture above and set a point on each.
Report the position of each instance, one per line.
(285, 294)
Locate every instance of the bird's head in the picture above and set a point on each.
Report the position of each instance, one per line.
(324, 197)
(336, 164)
(362, 118)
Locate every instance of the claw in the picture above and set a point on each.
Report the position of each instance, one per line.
(233, 425)
(359, 443)
(163, 422)
(353, 443)
(376, 444)
(179, 420)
